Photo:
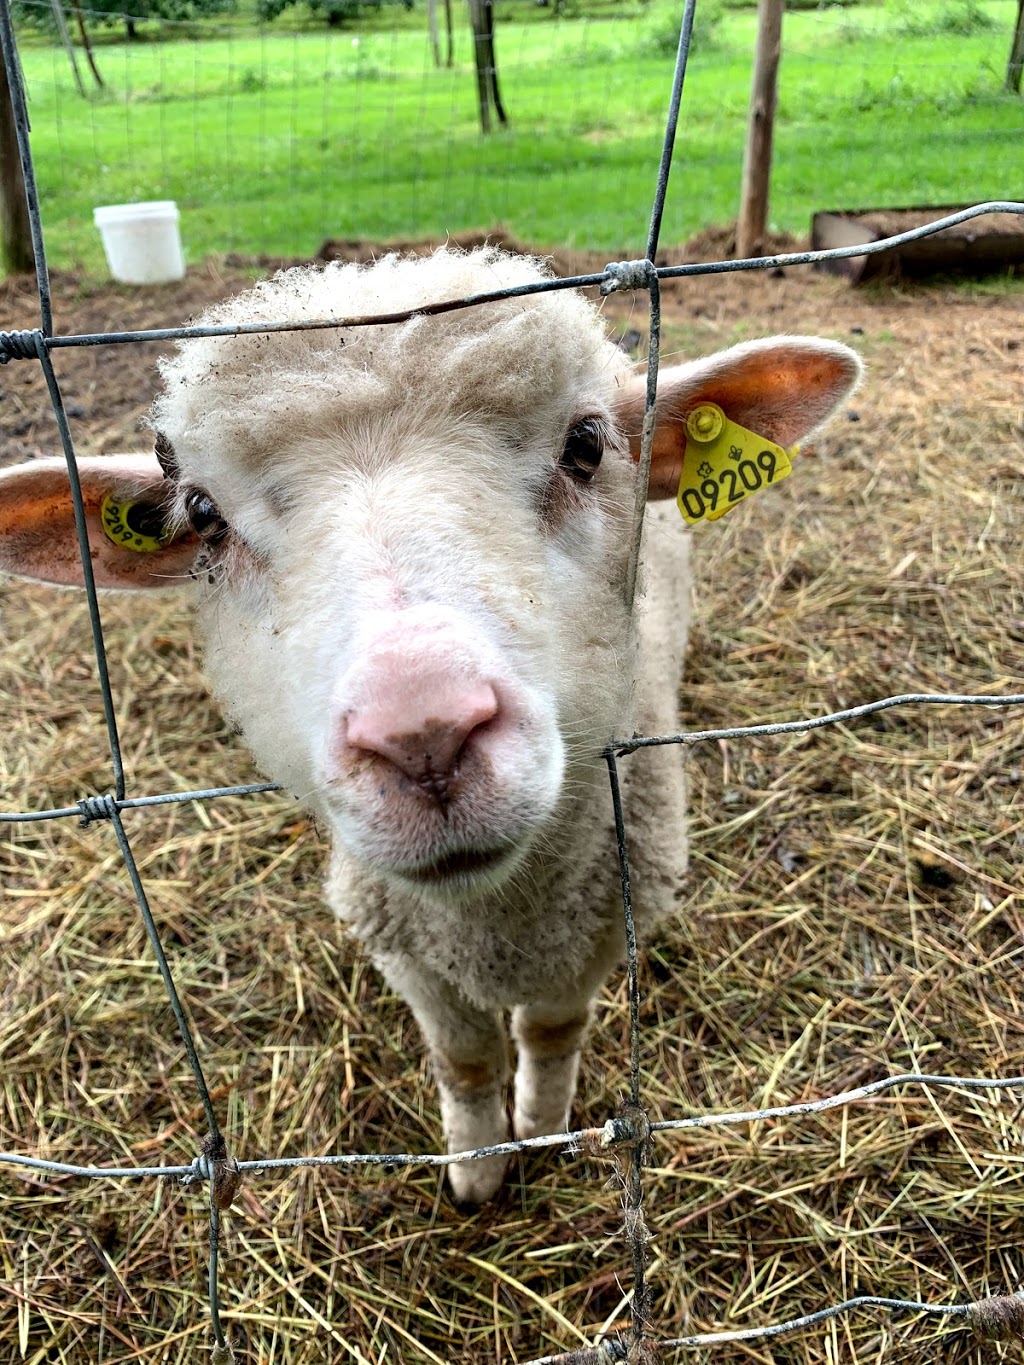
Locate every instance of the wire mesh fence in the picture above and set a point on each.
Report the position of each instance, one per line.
(271, 141)
(628, 1137)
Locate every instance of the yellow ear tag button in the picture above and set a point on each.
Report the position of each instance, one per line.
(725, 463)
(135, 525)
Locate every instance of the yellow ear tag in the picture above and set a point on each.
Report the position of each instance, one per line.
(134, 525)
(725, 463)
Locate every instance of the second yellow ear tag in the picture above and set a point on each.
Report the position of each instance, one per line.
(134, 524)
(725, 463)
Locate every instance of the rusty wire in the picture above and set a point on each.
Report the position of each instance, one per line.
(629, 1135)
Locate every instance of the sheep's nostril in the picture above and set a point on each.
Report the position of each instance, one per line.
(424, 735)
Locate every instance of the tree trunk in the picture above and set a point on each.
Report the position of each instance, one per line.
(757, 159)
(492, 65)
(435, 38)
(481, 20)
(86, 44)
(451, 36)
(483, 93)
(1016, 63)
(65, 38)
(486, 49)
(16, 254)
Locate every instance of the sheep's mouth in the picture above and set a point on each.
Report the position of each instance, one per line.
(459, 864)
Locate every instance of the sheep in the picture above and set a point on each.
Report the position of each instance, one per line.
(409, 544)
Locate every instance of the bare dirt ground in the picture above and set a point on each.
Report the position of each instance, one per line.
(855, 909)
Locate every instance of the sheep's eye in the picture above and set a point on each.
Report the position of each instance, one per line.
(204, 517)
(583, 449)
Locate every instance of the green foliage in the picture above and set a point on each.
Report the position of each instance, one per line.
(335, 12)
(661, 38)
(251, 80)
(960, 18)
(125, 12)
(797, 5)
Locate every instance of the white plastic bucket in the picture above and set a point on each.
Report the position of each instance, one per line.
(141, 241)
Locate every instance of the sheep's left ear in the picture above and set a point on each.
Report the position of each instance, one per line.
(781, 388)
(125, 499)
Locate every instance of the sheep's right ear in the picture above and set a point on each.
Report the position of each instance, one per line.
(125, 498)
(782, 388)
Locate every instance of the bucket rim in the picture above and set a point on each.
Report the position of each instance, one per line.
(152, 208)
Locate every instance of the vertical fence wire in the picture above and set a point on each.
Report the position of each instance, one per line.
(88, 577)
(215, 1141)
(672, 122)
(630, 1133)
(19, 109)
(634, 1227)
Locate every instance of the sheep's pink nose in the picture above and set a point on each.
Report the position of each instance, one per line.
(422, 725)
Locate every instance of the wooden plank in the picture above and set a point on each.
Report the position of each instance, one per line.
(981, 245)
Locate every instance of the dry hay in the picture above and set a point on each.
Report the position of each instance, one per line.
(854, 910)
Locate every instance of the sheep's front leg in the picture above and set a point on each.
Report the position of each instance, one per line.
(469, 1054)
(550, 1035)
(550, 1039)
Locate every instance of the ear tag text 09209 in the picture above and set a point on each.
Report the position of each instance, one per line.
(725, 463)
(134, 525)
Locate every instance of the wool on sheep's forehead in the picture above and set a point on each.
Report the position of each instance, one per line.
(527, 360)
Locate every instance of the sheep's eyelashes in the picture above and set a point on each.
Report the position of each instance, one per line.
(583, 449)
(205, 518)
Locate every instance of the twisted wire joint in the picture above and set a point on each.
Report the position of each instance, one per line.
(96, 808)
(202, 1169)
(18, 346)
(214, 1165)
(632, 275)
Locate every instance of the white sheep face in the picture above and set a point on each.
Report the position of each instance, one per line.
(410, 589)
(419, 626)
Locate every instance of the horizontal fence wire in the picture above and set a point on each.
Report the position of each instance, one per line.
(617, 275)
(96, 807)
(615, 1132)
(988, 1315)
(631, 1133)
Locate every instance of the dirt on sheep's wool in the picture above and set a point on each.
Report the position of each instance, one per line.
(855, 910)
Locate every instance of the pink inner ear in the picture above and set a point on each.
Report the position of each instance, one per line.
(781, 388)
(38, 539)
(783, 393)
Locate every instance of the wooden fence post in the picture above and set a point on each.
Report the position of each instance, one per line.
(16, 253)
(757, 159)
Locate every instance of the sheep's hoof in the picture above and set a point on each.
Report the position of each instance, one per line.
(474, 1182)
(541, 1124)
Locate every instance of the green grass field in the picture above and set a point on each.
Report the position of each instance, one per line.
(273, 141)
